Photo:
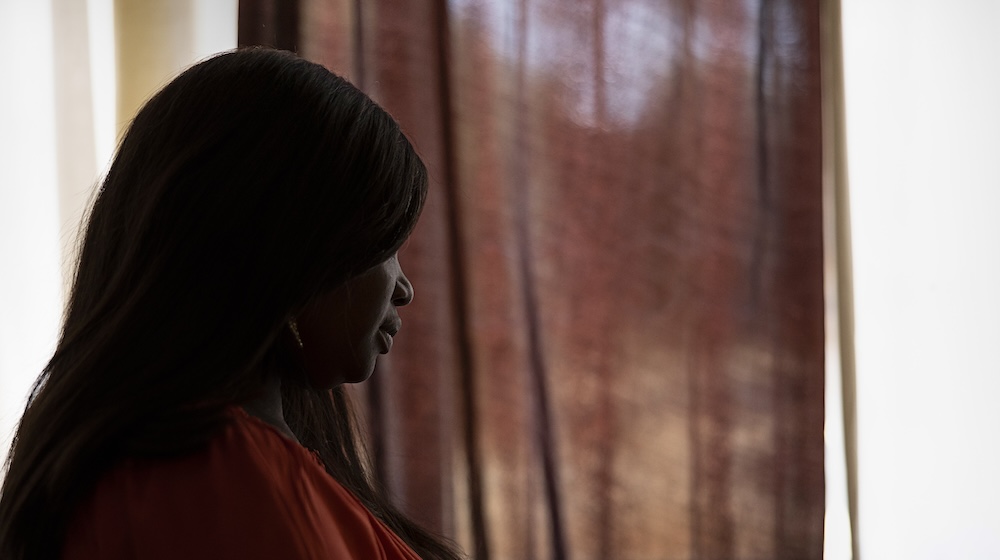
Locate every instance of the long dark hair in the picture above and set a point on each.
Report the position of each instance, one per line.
(250, 184)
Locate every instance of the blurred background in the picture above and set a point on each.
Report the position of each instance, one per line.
(698, 279)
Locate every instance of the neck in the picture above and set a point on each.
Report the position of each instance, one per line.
(267, 407)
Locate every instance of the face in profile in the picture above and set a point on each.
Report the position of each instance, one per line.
(345, 330)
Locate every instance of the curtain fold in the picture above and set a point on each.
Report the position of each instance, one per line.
(616, 345)
(272, 24)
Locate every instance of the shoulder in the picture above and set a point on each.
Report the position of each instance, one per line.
(251, 493)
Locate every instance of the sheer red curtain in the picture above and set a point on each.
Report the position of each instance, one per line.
(616, 345)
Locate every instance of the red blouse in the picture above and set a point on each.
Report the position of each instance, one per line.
(252, 494)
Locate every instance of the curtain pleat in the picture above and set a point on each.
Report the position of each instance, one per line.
(616, 345)
(272, 24)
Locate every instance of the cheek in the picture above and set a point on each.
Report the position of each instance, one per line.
(322, 366)
(340, 332)
(320, 328)
(336, 349)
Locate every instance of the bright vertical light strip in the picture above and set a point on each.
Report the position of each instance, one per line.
(923, 132)
(30, 282)
(837, 528)
(215, 26)
(101, 35)
(837, 538)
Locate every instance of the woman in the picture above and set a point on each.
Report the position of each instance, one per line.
(239, 265)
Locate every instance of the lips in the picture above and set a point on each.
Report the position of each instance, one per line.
(391, 327)
(386, 342)
(387, 331)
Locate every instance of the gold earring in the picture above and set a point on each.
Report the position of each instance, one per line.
(295, 332)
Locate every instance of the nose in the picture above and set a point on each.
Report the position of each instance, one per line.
(403, 293)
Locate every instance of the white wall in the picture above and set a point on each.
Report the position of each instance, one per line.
(30, 284)
(922, 80)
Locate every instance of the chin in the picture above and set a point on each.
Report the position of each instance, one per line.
(353, 379)
(326, 382)
(362, 375)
